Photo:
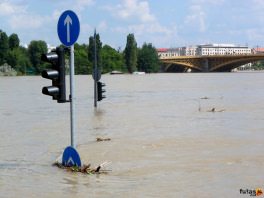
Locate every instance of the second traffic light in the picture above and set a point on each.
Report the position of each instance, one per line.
(56, 74)
(100, 91)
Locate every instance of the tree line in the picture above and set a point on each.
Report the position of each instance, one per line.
(259, 65)
(27, 61)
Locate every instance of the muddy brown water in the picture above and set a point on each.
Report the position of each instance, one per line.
(165, 142)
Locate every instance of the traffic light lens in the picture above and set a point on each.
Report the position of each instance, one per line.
(50, 74)
(49, 57)
(50, 91)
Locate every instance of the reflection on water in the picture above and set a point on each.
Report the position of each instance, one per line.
(164, 139)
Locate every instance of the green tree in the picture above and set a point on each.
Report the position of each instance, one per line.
(23, 61)
(82, 64)
(13, 41)
(91, 54)
(4, 47)
(11, 58)
(35, 49)
(112, 59)
(18, 58)
(131, 53)
(148, 60)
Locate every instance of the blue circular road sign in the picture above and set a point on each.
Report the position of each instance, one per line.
(68, 28)
(71, 157)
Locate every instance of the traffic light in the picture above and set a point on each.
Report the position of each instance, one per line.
(100, 91)
(56, 74)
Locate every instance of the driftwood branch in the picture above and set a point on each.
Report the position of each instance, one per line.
(84, 169)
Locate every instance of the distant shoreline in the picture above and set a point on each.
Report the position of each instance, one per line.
(8, 74)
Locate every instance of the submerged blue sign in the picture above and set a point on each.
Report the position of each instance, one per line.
(68, 28)
(71, 157)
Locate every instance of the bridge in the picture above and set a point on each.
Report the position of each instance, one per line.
(215, 63)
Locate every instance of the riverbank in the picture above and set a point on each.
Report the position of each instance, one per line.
(7, 70)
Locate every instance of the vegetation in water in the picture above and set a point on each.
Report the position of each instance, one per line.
(86, 169)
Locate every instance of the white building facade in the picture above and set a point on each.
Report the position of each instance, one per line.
(190, 51)
(170, 52)
(222, 49)
(205, 50)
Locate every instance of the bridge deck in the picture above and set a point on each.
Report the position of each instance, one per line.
(212, 56)
(211, 63)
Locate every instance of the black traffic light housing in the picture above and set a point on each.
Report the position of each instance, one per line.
(100, 91)
(57, 74)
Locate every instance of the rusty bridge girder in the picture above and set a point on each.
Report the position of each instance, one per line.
(216, 63)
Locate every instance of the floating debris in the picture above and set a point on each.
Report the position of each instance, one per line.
(205, 98)
(102, 139)
(86, 169)
(214, 110)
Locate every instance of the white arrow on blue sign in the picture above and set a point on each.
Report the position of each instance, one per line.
(71, 157)
(68, 28)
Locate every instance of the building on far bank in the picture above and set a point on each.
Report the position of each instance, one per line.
(190, 51)
(222, 49)
(205, 50)
(258, 50)
(211, 50)
(170, 52)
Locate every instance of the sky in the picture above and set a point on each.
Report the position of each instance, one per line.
(167, 23)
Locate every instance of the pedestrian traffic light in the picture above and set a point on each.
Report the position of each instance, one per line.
(56, 74)
(100, 91)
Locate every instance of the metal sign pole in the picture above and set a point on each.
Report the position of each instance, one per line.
(95, 93)
(95, 71)
(68, 29)
(72, 97)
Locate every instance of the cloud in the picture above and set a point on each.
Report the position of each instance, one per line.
(102, 26)
(150, 33)
(196, 18)
(84, 3)
(208, 2)
(132, 9)
(137, 17)
(152, 28)
(258, 4)
(27, 21)
(76, 5)
(154, 33)
(18, 16)
(7, 8)
(80, 5)
(136, 14)
(255, 34)
(139, 20)
(198, 13)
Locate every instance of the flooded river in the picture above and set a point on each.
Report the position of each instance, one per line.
(165, 139)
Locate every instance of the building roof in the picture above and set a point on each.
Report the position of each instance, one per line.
(221, 46)
(162, 49)
(259, 49)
